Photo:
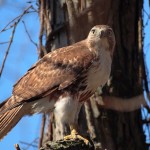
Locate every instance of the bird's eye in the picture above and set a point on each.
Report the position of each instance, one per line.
(109, 32)
(93, 31)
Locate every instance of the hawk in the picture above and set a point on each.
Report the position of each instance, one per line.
(61, 81)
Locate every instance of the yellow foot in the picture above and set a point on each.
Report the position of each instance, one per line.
(74, 135)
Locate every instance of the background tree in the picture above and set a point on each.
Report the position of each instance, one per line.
(66, 22)
(63, 22)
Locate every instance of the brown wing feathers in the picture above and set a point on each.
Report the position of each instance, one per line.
(55, 71)
(9, 119)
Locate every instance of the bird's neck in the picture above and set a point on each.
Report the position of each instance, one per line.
(94, 47)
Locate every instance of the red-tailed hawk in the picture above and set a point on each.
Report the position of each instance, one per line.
(61, 81)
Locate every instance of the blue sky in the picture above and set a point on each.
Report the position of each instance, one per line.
(21, 57)
(146, 14)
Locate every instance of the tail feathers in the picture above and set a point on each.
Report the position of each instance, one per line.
(9, 119)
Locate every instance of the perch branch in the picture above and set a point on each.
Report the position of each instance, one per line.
(67, 145)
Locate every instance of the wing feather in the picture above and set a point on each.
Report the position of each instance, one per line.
(56, 70)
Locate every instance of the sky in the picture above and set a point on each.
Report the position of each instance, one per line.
(22, 55)
(146, 23)
(146, 14)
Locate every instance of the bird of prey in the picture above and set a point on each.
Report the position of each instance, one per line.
(61, 81)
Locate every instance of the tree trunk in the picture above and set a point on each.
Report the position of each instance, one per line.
(66, 22)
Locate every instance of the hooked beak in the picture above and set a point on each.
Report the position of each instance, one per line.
(102, 34)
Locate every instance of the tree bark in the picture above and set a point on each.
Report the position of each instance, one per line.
(66, 22)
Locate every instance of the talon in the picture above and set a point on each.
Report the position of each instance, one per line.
(74, 135)
(84, 139)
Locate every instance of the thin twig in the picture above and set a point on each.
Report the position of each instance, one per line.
(147, 16)
(17, 147)
(5, 28)
(145, 118)
(35, 10)
(18, 18)
(146, 13)
(28, 145)
(32, 144)
(4, 42)
(7, 51)
(14, 25)
(29, 35)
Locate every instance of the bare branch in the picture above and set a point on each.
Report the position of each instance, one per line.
(4, 42)
(147, 18)
(13, 25)
(32, 144)
(146, 13)
(29, 35)
(18, 18)
(7, 51)
(5, 28)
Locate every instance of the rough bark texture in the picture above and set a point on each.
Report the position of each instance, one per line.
(66, 22)
(67, 145)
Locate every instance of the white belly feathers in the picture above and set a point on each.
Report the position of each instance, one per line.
(99, 73)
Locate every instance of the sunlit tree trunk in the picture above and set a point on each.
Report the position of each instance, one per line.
(66, 22)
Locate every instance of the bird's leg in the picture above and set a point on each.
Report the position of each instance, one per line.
(74, 134)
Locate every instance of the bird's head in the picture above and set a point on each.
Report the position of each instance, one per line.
(102, 37)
